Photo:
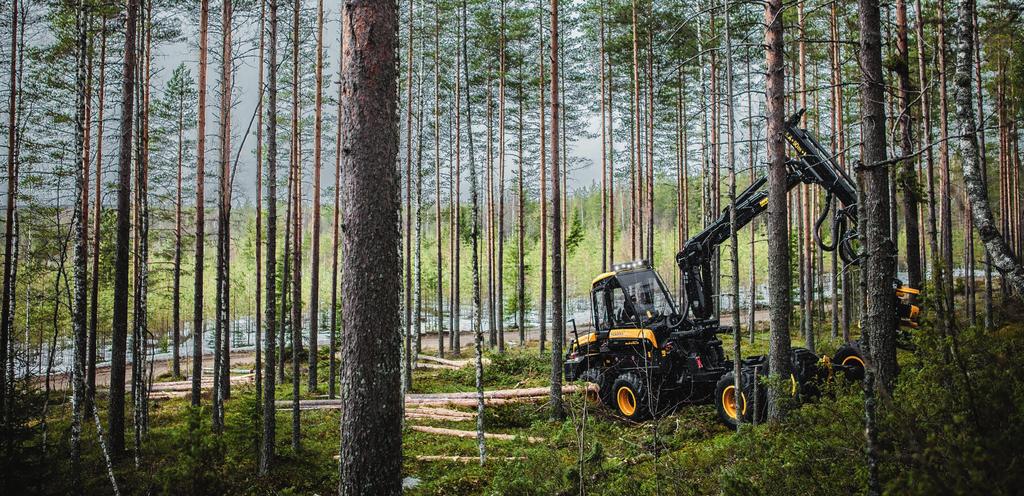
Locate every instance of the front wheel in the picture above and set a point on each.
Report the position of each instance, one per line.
(729, 410)
(632, 397)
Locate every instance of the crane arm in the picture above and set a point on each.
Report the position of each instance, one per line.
(813, 164)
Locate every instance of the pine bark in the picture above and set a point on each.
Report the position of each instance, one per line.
(296, 222)
(542, 314)
(557, 306)
(371, 448)
(119, 329)
(314, 256)
(197, 306)
(778, 231)
(270, 311)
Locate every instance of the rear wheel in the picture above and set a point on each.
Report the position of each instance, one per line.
(850, 358)
(727, 406)
(604, 385)
(632, 397)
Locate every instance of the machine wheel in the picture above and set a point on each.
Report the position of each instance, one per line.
(632, 397)
(604, 393)
(849, 356)
(725, 399)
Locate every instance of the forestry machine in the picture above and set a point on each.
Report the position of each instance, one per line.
(647, 356)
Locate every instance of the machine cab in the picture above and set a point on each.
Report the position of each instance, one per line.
(632, 297)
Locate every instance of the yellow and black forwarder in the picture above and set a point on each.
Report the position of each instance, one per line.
(648, 356)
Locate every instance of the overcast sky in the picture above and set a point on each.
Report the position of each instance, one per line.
(246, 96)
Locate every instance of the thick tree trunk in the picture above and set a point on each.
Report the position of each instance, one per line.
(371, 451)
(879, 265)
(119, 339)
(995, 244)
(269, 344)
(778, 232)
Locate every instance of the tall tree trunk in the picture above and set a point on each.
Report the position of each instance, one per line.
(223, 321)
(938, 280)
(314, 256)
(542, 315)
(455, 212)
(605, 212)
(296, 222)
(335, 237)
(96, 219)
(371, 450)
(987, 298)
(197, 306)
(557, 306)
(474, 189)
(879, 320)
(944, 198)
(407, 252)
(996, 245)
(269, 409)
(12, 179)
(778, 232)
(500, 299)
(176, 277)
(520, 222)
(908, 174)
(119, 339)
(437, 178)
(258, 315)
(734, 242)
(81, 241)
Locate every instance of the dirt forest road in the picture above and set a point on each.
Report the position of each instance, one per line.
(247, 358)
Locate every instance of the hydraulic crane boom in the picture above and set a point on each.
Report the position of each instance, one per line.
(813, 164)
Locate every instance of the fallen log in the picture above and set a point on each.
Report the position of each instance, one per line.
(439, 411)
(472, 434)
(441, 418)
(464, 459)
(436, 366)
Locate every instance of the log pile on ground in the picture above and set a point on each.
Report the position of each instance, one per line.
(464, 399)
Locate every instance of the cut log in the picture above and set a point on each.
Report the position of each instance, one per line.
(439, 411)
(464, 459)
(472, 434)
(436, 366)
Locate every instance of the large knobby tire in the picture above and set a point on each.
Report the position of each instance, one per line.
(850, 358)
(725, 399)
(632, 397)
(604, 385)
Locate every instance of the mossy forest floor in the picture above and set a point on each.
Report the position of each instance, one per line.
(817, 449)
